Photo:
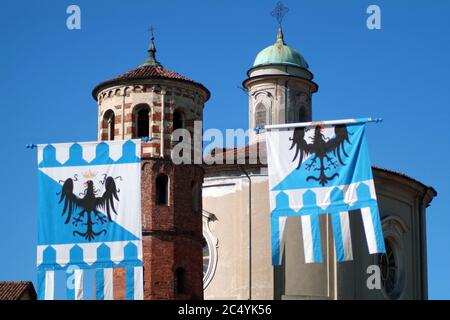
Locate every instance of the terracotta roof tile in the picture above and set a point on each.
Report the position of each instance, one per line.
(248, 152)
(13, 290)
(151, 72)
(147, 72)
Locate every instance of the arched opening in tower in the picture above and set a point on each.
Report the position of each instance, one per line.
(109, 124)
(162, 190)
(143, 121)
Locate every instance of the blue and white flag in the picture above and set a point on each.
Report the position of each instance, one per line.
(90, 215)
(319, 168)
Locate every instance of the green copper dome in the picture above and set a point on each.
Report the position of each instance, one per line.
(280, 53)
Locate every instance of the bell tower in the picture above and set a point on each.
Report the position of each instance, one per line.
(151, 102)
(280, 88)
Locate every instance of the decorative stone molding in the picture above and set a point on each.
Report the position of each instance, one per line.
(212, 242)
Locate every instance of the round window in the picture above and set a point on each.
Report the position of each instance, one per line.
(388, 263)
(209, 250)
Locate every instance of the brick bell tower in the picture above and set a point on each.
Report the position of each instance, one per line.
(152, 101)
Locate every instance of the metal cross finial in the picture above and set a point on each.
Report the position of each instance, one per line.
(151, 59)
(152, 30)
(279, 12)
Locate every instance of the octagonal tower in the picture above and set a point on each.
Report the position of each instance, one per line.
(152, 101)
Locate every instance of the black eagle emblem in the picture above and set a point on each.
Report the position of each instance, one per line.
(90, 205)
(322, 148)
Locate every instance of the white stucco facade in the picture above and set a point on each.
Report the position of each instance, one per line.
(237, 214)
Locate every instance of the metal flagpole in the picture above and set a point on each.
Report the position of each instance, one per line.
(33, 146)
(321, 123)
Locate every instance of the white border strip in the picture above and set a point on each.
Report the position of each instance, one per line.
(346, 235)
(307, 239)
(138, 284)
(108, 292)
(78, 283)
(370, 231)
(49, 285)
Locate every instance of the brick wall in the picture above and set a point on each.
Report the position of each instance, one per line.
(172, 234)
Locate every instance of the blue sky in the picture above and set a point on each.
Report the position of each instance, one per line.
(400, 73)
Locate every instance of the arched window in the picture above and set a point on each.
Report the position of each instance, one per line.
(142, 121)
(181, 280)
(260, 116)
(178, 124)
(195, 194)
(162, 190)
(108, 124)
(298, 108)
(177, 120)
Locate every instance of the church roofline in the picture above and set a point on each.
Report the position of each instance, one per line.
(151, 69)
(427, 190)
(129, 78)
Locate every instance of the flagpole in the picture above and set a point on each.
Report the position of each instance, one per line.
(321, 123)
(34, 146)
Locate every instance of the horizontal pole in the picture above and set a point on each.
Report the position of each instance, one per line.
(33, 146)
(321, 123)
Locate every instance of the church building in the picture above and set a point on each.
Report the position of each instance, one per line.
(236, 211)
(206, 228)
